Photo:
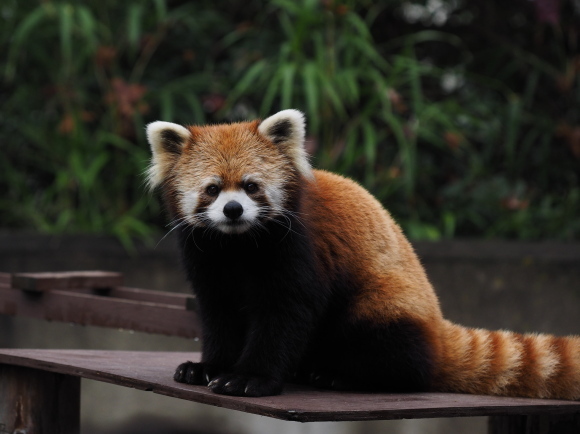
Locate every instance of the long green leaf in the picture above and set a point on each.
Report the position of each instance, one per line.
(311, 94)
(287, 84)
(21, 33)
(65, 15)
(87, 26)
(249, 80)
(271, 92)
(134, 24)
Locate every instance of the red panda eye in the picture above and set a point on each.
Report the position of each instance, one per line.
(212, 190)
(251, 187)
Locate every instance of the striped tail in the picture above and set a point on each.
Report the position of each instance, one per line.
(509, 364)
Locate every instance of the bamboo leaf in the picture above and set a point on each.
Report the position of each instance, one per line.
(160, 9)
(366, 48)
(270, 94)
(87, 26)
(21, 33)
(166, 100)
(134, 24)
(196, 108)
(359, 25)
(288, 5)
(370, 147)
(287, 85)
(65, 27)
(249, 80)
(311, 94)
(406, 149)
(94, 168)
(514, 111)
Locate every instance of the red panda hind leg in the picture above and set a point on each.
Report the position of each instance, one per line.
(392, 357)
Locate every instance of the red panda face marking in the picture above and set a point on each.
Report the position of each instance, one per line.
(252, 166)
(233, 212)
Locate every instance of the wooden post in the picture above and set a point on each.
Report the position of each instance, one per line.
(38, 402)
(535, 424)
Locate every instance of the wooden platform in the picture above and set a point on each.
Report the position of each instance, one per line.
(152, 371)
(40, 389)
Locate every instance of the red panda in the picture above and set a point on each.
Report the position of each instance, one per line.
(301, 275)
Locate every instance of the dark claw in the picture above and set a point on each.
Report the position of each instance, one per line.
(245, 385)
(194, 373)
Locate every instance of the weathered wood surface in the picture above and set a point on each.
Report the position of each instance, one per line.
(153, 371)
(38, 402)
(66, 280)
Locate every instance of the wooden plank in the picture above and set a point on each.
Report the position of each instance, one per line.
(38, 402)
(137, 294)
(147, 295)
(85, 309)
(66, 280)
(153, 371)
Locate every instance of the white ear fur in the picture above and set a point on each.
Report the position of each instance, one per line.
(287, 129)
(166, 140)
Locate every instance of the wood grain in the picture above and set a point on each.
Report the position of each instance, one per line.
(38, 402)
(153, 371)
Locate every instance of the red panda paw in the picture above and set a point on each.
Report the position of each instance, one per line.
(245, 385)
(195, 373)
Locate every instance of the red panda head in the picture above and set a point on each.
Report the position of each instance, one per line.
(230, 177)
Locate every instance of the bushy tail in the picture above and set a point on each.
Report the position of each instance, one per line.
(509, 364)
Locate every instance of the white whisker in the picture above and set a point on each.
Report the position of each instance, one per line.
(171, 230)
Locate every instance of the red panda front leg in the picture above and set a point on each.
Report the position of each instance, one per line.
(223, 336)
(276, 340)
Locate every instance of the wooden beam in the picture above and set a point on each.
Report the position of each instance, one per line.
(66, 280)
(38, 402)
(86, 309)
(147, 295)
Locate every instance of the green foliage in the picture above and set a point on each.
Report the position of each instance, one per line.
(73, 125)
(457, 129)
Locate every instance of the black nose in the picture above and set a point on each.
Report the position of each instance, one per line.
(233, 209)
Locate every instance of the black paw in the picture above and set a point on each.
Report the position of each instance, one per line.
(194, 373)
(245, 385)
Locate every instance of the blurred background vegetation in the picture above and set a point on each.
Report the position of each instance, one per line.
(461, 116)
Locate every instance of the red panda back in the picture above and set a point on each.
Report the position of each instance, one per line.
(352, 231)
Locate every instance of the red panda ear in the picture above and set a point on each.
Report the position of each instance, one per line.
(287, 130)
(166, 140)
